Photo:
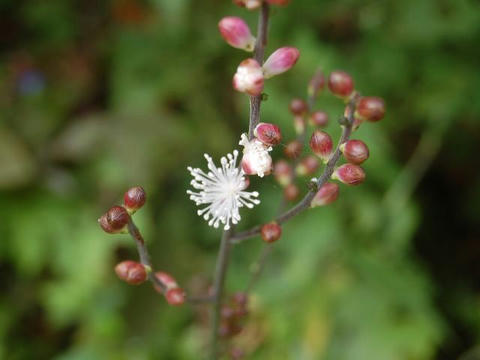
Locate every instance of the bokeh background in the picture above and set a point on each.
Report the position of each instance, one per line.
(96, 96)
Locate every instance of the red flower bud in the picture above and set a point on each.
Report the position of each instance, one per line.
(114, 220)
(307, 166)
(317, 83)
(131, 272)
(340, 83)
(271, 232)
(175, 296)
(166, 279)
(293, 149)
(298, 107)
(283, 172)
(134, 198)
(349, 174)
(249, 77)
(319, 118)
(278, 2)
(291, 192)
(327, 194)
(321, 144)
(269, 134)
(249, 4)
(371, 108)
(355, 151)
(236, 33)
(280, 61)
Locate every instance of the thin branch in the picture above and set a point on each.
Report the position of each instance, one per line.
(218, 285)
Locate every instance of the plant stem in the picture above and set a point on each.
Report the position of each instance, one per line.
(258, 55)
(218, 285)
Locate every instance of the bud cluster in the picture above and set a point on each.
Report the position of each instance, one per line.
(233, 315)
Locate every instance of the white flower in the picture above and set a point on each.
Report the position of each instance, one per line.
(223, 190)
(256, 159)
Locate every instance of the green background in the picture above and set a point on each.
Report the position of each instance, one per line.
(97, 96)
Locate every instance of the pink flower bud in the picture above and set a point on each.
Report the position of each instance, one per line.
(298, 106)
(134, 199)
(283, 172)
(269, 134)
(236, 33)
(175, 296)
(114, 220)
(131, 272)
(327, 194)
(371, 108)
(249, 4)
(340, 83)
(317, 83)
(293, 149)
(319, 118)
(355, 151)
(299, 124)
(307, 166)
(321, 144)
(166, 279)
(256, 160)
(291, 192)
(278, 2)
(349, 174)
(271, 232)
(249, 77)
(280, 61)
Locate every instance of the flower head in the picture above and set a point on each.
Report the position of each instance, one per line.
(256, 159)
(223, 190)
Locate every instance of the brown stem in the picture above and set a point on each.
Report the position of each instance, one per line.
(218, 285)
(258, 55)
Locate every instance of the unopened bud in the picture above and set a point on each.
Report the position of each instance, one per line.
(278, 2)
(166, 279)
(240, 299)
(349, 174)
(308, 166)
(271, 232)
(249, 4)
(340, 83)
(293, 149)
(291, 192)
(114, 220)
(249, 77)
(236, 33)
(371, 108)
(355, 151)
(256, 160)
(280, 61)
(269, 134)
(175, 296)
(283, 172)
(319, 118)
(299, 124)
(327, 194)
(134, 199)
(298, 106)
(131, 272)
(321, 144)
(317, 83)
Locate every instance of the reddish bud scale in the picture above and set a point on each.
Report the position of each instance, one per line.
(319, 118)
(280, 61)
(269, 134)
(321, 144)
(355, 151)
(349, 174)
(283, 172)
(175, 296)
(114, 220)
(291, 192)
(293, 149)
(298, 106)
(340, 83)
(134, 198)
(131, 272)
(308, 166)
(317, 83)
(271, 232)
(236, 33)
(327, 194)
(371, 108)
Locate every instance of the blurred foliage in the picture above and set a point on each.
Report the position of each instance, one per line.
(96, 96)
